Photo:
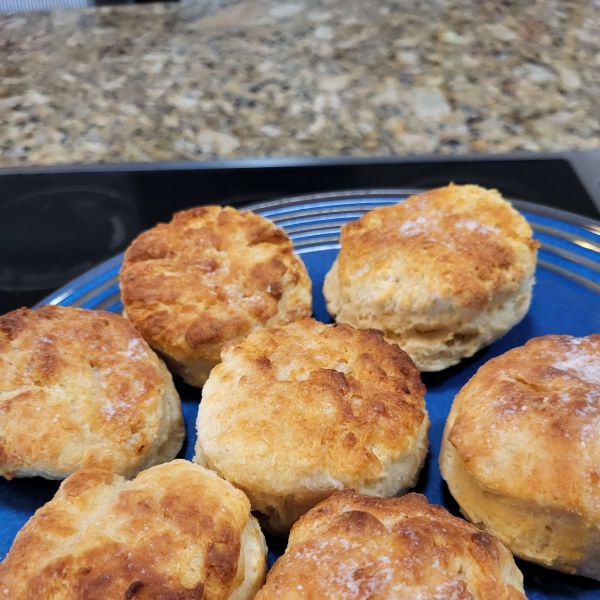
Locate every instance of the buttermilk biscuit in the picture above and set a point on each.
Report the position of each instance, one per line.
(442, 274)
(521, 451)
(175, 532)
(81, 388)
(353, 546)
(294, 414)
(210, 277)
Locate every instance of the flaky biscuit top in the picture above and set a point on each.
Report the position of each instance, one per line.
(309, 404)
(527, 425)
(355, 546)
(211, 276)
(173, 532)
(79, 388)
(464, 244)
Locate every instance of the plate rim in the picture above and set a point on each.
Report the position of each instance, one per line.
(590, 225)
(521, 205)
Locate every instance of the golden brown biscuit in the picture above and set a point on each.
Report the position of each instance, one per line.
(209, 277)
(442, 274)
(353, 546)
(521, 451)
(81, 388)
(176, 531)
(295, 413)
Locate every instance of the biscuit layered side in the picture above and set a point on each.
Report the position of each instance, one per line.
(210, 277)
(521, 450)
(356, 546)
(176, 531)
(81, 388)
(295, 413)
(442, 274)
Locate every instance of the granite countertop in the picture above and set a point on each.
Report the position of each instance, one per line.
(206, 79)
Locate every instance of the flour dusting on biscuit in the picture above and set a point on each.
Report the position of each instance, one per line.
(521, 450)
(81, 388)
(442, 274)
(356, 546)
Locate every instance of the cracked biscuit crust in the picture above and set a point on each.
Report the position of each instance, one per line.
(353, 546)
(295, 413)
(175, 532)
(81, 388)
(210, 277)
(442, 274)
(521, 451)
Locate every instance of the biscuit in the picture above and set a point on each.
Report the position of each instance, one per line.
(442, 274)
(81, 388)
(210, 277)
(354, 546)
(521, 451)
(296, 413)
(176, 531)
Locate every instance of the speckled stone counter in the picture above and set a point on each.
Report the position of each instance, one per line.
(208, 79)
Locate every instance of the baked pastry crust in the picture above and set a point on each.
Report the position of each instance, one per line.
(442, 274)
(521, 451)
(210, 277)
(81, 388)
(353, 546)
(295, 413)
(176, 531)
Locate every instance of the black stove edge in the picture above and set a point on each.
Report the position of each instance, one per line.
(585, 163)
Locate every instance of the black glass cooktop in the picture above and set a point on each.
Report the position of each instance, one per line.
(58, 222)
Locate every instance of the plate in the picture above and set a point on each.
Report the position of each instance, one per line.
(566, 299)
